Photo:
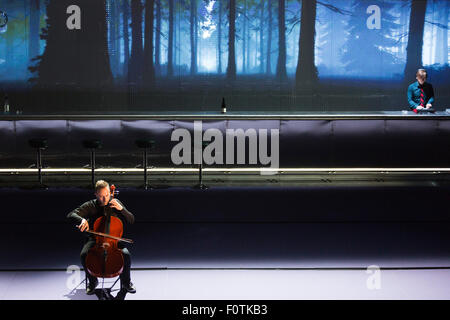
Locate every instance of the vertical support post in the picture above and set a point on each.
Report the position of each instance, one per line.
(39, 165)
(145, 169)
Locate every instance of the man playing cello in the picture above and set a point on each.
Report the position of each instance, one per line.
(85, 217)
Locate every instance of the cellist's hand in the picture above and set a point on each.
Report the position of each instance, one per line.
(84, 225)
(105, 245)
(115, 204)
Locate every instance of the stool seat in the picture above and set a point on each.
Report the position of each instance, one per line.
(145, 143)
(204, 144)
(38, 143)
(92, 144)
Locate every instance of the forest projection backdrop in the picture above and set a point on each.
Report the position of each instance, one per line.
(72, 56)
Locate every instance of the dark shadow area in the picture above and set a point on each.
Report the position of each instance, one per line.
(243, 227)
(105, 293)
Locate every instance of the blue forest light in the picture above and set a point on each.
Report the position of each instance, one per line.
(355, 54)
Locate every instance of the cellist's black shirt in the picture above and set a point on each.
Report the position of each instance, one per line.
(91, 210)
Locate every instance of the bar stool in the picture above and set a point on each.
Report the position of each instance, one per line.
(200, 184)
(92, 145)
(146, 145)
(39, 144)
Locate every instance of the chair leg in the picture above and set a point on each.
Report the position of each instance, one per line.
(116, 282)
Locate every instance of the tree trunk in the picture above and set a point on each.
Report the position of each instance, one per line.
(306, 73)
(243, 36)
(404, 28)
(63, 62)
(149, 70)
(158, 38)
(415, 39)
(248, 33)
(219, 39)
(432, 38)
(135, 71)
(117, 39)
(192, 30)
(444, 34)
(126, 36)
(35, 22)
(113, 35)
(197, 50)
(261, 38)
(281, 63)
(231, 68)
(269, 39)
(9, 54)
(175, 35)
(170, 45)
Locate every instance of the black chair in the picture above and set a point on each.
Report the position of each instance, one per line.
(39, 144)
(92, 145)
(105, 293)
(146, 145)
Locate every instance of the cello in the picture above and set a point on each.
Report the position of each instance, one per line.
(105, 259)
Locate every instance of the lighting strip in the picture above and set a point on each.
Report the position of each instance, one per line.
(187, 170)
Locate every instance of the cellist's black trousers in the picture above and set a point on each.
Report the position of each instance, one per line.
(124, 276)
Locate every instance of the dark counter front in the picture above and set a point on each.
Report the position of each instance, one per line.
(381, 140)
(242, 115)
(240, 227)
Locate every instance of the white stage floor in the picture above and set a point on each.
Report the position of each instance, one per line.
(191, 284)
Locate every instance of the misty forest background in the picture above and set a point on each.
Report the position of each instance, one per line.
(185, 55)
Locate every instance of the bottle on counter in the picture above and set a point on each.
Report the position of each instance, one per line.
(224, 108)
(6, 105)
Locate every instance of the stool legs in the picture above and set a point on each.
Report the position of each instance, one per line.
(39, 144)
(39, 165)
(200, 174)
(145, 169)
(145, 145)
(93, 167)
(200, 184)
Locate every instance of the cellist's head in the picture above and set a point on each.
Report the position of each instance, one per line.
(102, 192)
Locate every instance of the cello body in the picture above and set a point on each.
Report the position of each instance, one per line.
(105, 259)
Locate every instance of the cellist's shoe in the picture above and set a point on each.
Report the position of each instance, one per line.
(129, 288)
(91, 287)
